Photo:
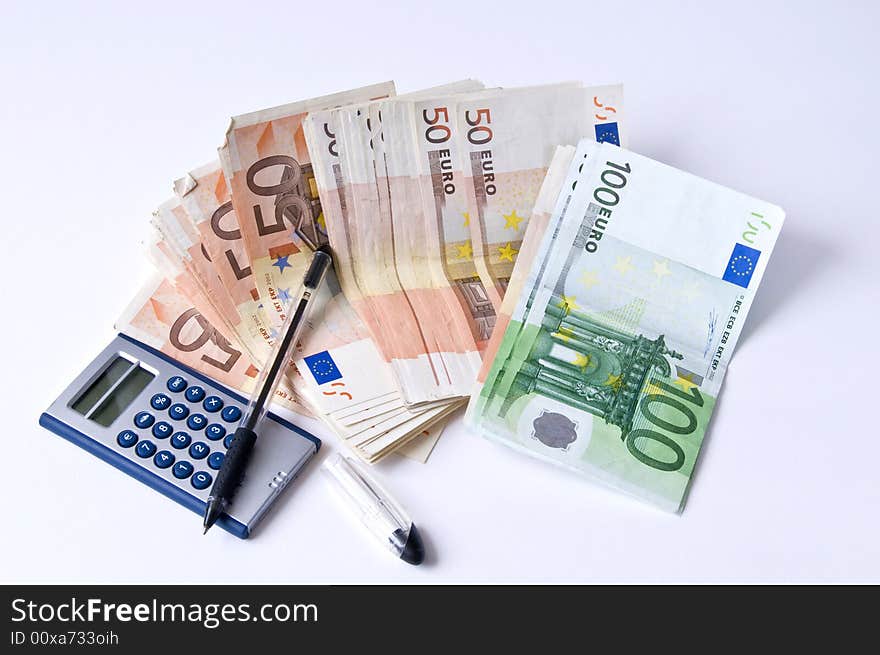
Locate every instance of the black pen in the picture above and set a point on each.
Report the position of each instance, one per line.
(232, 470)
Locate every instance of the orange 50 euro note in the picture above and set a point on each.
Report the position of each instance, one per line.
(269, 170)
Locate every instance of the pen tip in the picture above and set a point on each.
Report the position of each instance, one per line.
(213, 510)
(414, 548)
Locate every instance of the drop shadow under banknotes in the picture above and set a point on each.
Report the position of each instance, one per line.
(798, 260)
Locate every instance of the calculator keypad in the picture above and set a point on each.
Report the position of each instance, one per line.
(180, 440)
(144, 419)
(201, 480)
(160, 401)
(196, 421)
(162, 430)
(178, 411)
(199, 450)
(182, 470)
(194, 394)
(176, 384)
(126, 438)
(173, 418)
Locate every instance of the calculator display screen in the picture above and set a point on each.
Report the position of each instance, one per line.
(124, 380)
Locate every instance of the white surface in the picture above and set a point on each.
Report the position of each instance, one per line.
(102, 107)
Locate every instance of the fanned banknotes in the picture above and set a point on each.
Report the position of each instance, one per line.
(405, 210)
(225, 283)
(594, 295)
(269, 171)
(625, 321)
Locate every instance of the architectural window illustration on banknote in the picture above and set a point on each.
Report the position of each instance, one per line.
(479, 306)
(588, 365)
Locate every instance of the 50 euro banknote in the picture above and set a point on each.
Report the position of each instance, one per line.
(181, 257)
(505, 142)
(614, 355)
(205, 196)
(268, 167)
(163, 317)
(374, 225)
(336, 367)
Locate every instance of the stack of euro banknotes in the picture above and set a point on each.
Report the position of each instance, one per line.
(493, 245)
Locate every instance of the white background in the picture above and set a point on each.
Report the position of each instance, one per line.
(103, 105)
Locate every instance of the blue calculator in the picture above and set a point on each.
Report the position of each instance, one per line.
(169, 426)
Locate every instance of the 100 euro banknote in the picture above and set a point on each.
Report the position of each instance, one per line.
(506, 140)
(614, 355)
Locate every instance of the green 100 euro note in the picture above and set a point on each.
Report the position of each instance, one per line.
(613, 358)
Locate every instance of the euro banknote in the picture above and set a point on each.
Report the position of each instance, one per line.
(182, 242)
(167, 261)
(333, 372)
(430, 130)
(439, 168)
(423, 352)
(162, 317)
(451, 338)
(204, 194)
(422, 445)
(531, 243)
(340, 373)
(320, 129)
(376, 233)
(397, 181)
(503, 170)
(268, 168)
(614, 355)
(330, 330)
(174, 223)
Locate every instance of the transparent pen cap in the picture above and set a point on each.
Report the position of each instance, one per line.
(375, 507)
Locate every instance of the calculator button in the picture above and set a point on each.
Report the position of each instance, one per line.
(182, 469)
(176, 383)
(162, 430)
(194, 394)
(201, 480)
(180, 439)
(144, 419)
(145, 449)
(215, 461)
(196, 421)
(199, 450)
(178, 411)
(163, 459)
(215, 431)
(231, 413)
(160, 401)
(228, 440)
(213, 404)
(126, 438)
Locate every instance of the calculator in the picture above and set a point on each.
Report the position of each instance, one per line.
(169, 426)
